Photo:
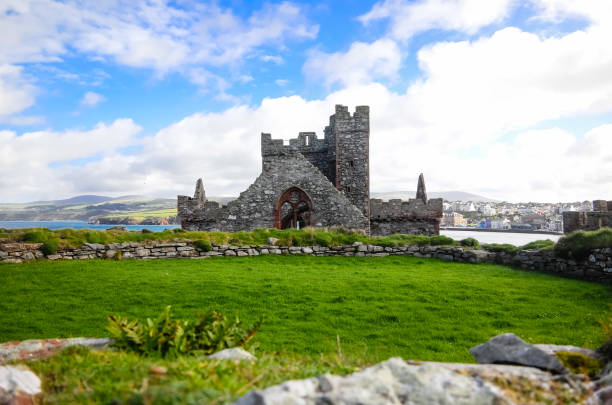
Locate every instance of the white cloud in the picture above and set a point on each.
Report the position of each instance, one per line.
(513, 79)
(408, 18)
(597, 11)
(25, 159)
(281, 82)
(272, 58)
(362, 63)
(17, 93)
(91, 99)
(145, 34)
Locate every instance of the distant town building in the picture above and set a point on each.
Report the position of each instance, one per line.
(503, 223)
(453, 219)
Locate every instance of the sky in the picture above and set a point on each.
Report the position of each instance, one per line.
(508, 99)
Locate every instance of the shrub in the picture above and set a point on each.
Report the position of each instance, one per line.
(36, 236)
(323, 239)
(49, 247)
(387, 242)
(168, 337)
(421, 240)
(471, 242)
(500, 247)
(203, 245)
(179, 230)
(539, 245)
(145, 230)
(438, 240)
(578, 245)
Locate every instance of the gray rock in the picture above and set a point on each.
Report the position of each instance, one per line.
(18, 385)
(93, 246)
(28, 256)
(235, 353)
(508, 348)
(38, 349)
(388, 383)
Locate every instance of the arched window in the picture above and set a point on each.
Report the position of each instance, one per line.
(293, 209)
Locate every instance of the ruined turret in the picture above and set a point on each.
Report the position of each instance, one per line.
(186, 206)
(421, 193)
(200, 195)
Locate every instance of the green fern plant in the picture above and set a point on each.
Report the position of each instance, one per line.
(168, 337)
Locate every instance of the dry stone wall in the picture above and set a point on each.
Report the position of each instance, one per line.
(597, 267)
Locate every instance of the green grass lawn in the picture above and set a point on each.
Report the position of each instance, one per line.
(170, 212)
(375, 307)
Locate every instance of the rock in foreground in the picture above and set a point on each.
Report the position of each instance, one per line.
(236, 354)
(18, 386)
(510, 349)
(396, 382)
(39, 349)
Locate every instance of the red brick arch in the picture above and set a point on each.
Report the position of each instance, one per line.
(296, 197)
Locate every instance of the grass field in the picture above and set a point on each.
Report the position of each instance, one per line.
(170, 212)
(374, 307)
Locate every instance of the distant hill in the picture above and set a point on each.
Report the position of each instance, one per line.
(83, 208)
(447, 195)
(79, 199)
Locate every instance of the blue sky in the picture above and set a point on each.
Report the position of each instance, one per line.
(509, 99)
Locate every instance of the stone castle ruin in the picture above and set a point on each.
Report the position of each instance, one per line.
(600, 217)
(315, 182)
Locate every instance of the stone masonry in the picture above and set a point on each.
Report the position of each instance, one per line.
(600, 217)
(315, 182)
(418, 215)
(597, 266)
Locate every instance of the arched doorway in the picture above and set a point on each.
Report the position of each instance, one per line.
(293, 209)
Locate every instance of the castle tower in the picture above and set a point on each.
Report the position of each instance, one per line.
(351, 155)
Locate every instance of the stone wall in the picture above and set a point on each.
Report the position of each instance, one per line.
(417, 216)
(600, 217)
(597, 267)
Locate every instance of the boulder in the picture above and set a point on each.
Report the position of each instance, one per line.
(388, 383)
(508, 348)
(18, 386)
(235, 353)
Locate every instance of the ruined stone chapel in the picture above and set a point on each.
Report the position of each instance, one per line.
(318, 183)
